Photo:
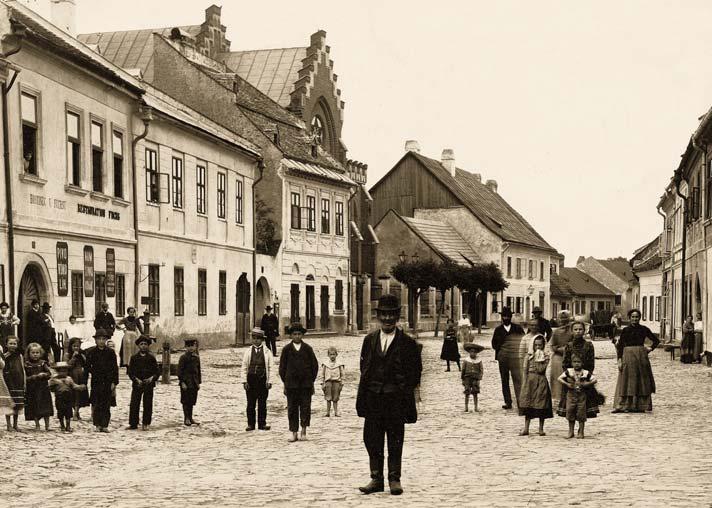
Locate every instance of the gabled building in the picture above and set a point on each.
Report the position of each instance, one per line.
(647, 266)
(616, 274)
(302, 196)
(579, 293)
(423, 188)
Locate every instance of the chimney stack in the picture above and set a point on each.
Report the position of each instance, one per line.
(64, 15)
(448, 160)
(478, 177)
(492, 185)
(412, 146)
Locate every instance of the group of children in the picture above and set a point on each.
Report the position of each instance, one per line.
(579, 398)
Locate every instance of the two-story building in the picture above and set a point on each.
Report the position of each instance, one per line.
(437, 190)
(617, 275)
(647, 266)
(579, 293)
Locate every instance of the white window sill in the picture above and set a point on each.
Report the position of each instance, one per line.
(73, 189)
(152, 204)
(120, 202)
(178, 210)
(33, 179)
(99, 196)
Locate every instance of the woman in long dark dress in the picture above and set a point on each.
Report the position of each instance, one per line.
(450, 351)
(584, 349)
(636, 383)
(535, 397)
(559, 339)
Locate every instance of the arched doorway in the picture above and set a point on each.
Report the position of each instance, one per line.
(262, 299)
(32, 286)
(242, 303)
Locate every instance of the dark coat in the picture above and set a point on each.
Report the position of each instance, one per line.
(143, 367)
(35, 326)
(500, 334)
(403, 367)
(270, 325)
(106, 321)
(189, 371)
(298, 369)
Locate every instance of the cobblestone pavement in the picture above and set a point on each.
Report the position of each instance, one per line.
(450, 457)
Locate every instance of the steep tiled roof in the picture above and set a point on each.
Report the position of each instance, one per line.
(651, 263)
(559, 287)
(620, 267)
(488, 206)
(580, 283)
(272, 71)
(443, 239)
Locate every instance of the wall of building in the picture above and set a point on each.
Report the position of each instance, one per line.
(650, 286)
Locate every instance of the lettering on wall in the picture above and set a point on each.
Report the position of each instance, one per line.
(110, 280)
(88, 271)
(62, 269)
(57, 204)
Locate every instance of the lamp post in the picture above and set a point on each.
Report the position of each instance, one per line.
(415, 257)
(402, 256)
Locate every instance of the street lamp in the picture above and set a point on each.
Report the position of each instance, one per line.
(415, 257)
(401, 256)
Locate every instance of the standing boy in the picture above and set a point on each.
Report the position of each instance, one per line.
(256, 375)
(190, 379)
(143, 372)
(104, 372)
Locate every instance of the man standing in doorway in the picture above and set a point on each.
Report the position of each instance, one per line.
(270, 325)
(105, 320)
(506, 366)
(390, 371)
(544, 326)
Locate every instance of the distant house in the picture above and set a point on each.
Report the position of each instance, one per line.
(616, 274)
(647, 265)
(579, 293)
(425, 189)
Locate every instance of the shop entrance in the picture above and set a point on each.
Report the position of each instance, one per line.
(32, 287)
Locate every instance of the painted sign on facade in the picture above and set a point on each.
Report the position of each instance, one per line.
(62, 269)
(88, 271)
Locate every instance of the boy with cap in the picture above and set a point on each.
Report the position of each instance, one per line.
(63, 387)
(104, 372)
(256, 375)
(143, 372)
(190, 378)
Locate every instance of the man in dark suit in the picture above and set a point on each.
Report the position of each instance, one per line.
(544, 326)
(390, 371)
(270, 325)
(506, 365)
(34, 325)
(105, 320)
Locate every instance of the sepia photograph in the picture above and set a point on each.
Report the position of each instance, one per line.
(403, 253)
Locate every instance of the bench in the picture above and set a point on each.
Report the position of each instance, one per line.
(671, 347)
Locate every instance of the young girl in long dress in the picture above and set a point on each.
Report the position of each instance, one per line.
(14, 377)
(535, 395)
(38, 400)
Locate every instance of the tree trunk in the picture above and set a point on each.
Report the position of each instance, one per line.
(439, 312)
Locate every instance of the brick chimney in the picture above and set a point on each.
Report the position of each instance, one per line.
(492, 185)
(478, 177)
(412, 146)
(63, 15)
(448, 160)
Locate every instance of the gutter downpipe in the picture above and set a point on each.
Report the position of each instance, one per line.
(662, 284)
(146, 118)
(261, 169)
(18, 34)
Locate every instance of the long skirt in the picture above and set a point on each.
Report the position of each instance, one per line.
(556, 369)
(38, 401)
(128, 346)
(450, 350)
(591, 399)
(687, 348)
(699, 347)
(6, 403)
(636, 383)
(535, 397)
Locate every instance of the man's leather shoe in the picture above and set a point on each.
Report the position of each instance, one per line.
(395, 486)
(507, 406)
(373, 486)
(249, 429)
(265, 427)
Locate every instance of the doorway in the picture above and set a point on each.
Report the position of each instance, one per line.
(32, 287)
(324, 315)
(242, 304)
(359, 304)
(262, 299)
(311, 308)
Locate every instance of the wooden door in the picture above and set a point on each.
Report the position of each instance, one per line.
(311, 308)
(324, 315)
(242, 304)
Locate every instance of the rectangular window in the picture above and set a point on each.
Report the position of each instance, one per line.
(117, 147)
(74, 148)
(339, 295)
(339, 216)
(30, 127)
(325, 216)
(531, 269)
(154, 289)
(510, 303)
(541, 270)
(509, 266)
(202, 292)
(519, 268)
(618, 299)
(151, 176)
(295, 211)
(222, 292)
(99, 290)
(520, 304)
(651, 309)
(221, 195)
(238, 201)
(97, 156)
(657, 308)
(78, 294)
(201, 182)
(120, 294)
(424, 303)
(495, 303)
(177, 182)
(583, 307)
(311, 213)
(577, 307)
(178, 292)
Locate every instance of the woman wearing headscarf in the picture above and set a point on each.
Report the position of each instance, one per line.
(133, 328)
(561, 337)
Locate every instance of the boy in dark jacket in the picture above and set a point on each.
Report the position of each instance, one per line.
(104, 372)
(143, 372)
(190, 379)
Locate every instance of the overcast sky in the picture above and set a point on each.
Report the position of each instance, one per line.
(579, 110)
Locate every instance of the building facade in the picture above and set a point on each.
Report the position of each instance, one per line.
(616, 274)
(579, 293)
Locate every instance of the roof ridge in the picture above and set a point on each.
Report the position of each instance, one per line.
(262, 49)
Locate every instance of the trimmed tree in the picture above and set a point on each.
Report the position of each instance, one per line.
(480, 278)
(418, 277)
(446, 277)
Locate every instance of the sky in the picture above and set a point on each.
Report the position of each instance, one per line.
(579, 110)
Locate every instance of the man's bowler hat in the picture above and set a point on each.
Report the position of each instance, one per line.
(145, 338)
(388, 303)
(269, 307)
(100, 332)
(506, 312)
(190, 342)
(536, 310)
(296, 327)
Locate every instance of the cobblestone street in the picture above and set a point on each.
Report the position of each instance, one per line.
(658, 459)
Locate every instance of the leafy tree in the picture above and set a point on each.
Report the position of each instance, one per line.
(446, 277)
(418, 277)
(265, 227)
(480, 278)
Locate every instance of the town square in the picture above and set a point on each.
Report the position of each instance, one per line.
(355, 254)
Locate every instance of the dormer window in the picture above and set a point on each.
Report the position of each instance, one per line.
(317, 130)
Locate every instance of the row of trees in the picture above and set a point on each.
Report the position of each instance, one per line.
(419, 276)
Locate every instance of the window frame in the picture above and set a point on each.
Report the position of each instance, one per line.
(34, 167)
(519, 268)
(221, 195)
(201, 186)
(74, 173)
(202, 292)
(222, 293)
(99, 290)
(239, 200)
(154, 289)
(152, 183)
(97, 153)
(178, 291)
(295, 210)
(541, 270)
(117, 165)
(530, 271)
(77, 289)
(339, 218)
(325, 216)
(120, 295)
(338, 294)
(311, 213)
(177, 172)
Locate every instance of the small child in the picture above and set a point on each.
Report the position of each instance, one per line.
(190, 378)
(14, 375)
(38, 400)
(64, 387)
(450, 351)
(332, 380)
(535, 394)
(77, 361)
(143, 372)
(104, 372)
(577, 380)
(472, 374)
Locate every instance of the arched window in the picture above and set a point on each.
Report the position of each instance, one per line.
(317, 129)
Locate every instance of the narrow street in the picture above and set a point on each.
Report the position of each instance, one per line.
(450, 458)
